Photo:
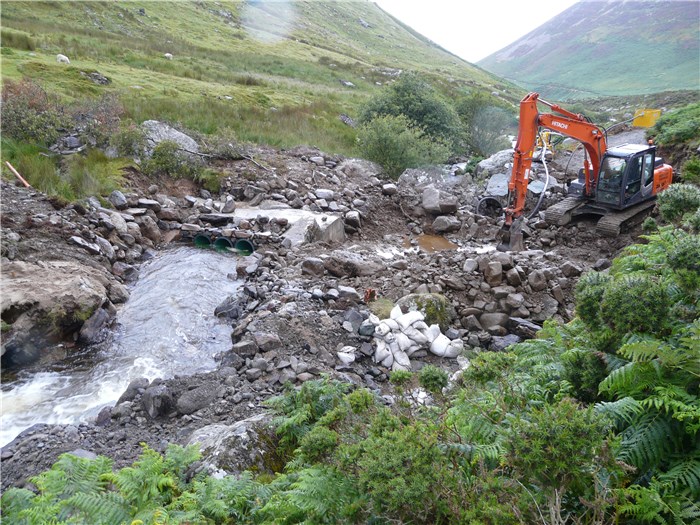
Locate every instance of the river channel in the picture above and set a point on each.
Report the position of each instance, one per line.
(167, 327)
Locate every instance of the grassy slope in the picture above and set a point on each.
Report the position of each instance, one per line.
(607, 48)
(270, 71)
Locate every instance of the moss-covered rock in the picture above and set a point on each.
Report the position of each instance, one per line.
(436, 308)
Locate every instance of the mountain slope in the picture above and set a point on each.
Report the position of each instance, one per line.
(607, 48)
(258, 67)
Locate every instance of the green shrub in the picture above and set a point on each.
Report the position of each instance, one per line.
(396, 144)
(678, 127)
(404, 475)
(30, 114)
(589, 293)
(690, 172)
(400, 377)
(424, 108)
(318, 442)
(685, 254)
(129, 141)
(677, 200)
(635, 303)
(692, 222)
(432, 378)
(649, 225)
(360, 400)
(224, 145)
(584, 370)
(167, 159)
(486, 120)
(557, 447)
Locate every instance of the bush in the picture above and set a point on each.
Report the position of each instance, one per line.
(649, 225)
(318, 442)
(167, 159)
(678, 127)
(423, 107)
(635, 303)
(224, 145)
(690, 172)
(30, 114)
(486, 121)
(432, 378)
(129, 141)
(584, 370)
(693, 222)
(677, 200)
(98, 119)
(589, 293)
(395, 144)
(404, 474)
(685, 254)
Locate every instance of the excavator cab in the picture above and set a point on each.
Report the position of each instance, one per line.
(626, 176)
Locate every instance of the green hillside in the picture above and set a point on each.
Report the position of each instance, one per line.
(275, 72)
(600, 48)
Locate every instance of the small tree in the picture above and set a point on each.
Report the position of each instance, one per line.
(414, 98)
(395, 144)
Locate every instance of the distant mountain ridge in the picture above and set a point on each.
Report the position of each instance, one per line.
(611, 47)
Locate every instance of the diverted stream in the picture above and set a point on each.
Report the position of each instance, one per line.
(167, 327)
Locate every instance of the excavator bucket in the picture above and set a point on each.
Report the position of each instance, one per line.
(511, 237)
(646, 118)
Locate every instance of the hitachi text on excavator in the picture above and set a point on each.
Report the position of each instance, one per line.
(618, 184)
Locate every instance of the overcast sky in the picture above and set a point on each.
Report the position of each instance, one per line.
(473, 29)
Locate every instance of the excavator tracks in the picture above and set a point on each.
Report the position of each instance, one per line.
(560, 213)
(613, 223)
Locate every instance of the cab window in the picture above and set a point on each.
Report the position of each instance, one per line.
(648, 169)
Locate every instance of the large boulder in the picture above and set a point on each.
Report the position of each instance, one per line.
(45, 301)
(157, 132)
(348, 264)
(496, 163)
(246, 445)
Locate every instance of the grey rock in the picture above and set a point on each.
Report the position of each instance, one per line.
(446, 224)
(389, 189)
(348, 293)
(348, 264)
(156, 132)
(313, 266)
(266, 341)
(91, 330)
(493, 273)
(87, 246)
(537, 280)
(245, 348)
(353, 219)
(118, 200)
(501, 343)
(157, 401)
(140, 383)
(198, 398)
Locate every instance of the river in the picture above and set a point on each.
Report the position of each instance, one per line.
(167, 327)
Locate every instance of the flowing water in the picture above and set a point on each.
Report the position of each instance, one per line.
(167, 327)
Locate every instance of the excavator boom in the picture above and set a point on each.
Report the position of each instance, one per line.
(564, 122)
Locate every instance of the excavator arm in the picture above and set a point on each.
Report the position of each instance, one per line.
(562, 121)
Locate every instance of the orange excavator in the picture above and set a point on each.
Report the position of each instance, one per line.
(619, 183)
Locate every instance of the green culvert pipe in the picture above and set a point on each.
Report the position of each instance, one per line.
(244, 247)
(223, 244)
(202, 241)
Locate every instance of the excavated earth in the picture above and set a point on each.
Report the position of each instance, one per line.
(301, 306)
